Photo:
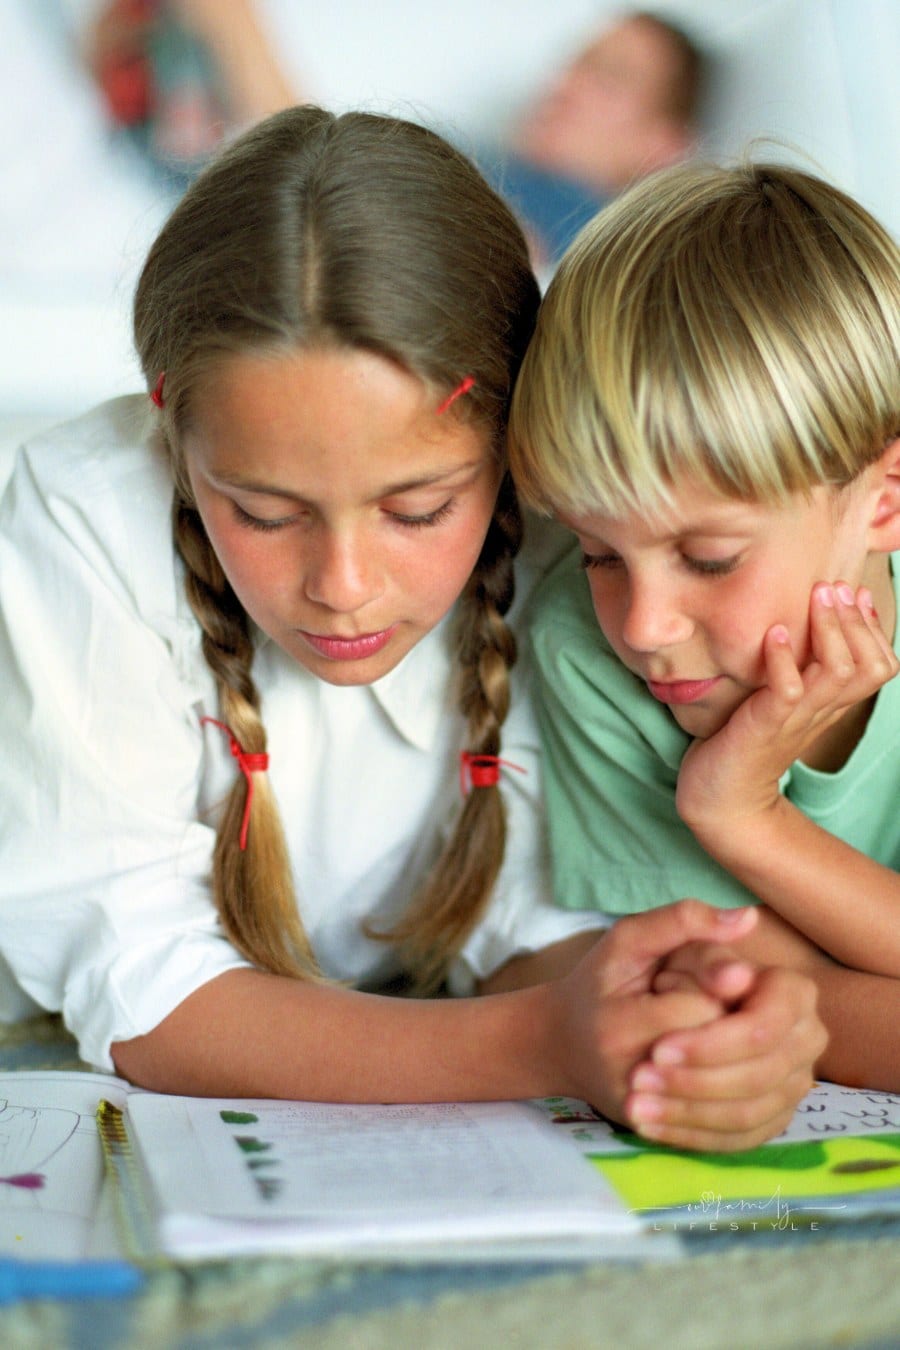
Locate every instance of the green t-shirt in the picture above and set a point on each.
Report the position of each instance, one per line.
(612, 754)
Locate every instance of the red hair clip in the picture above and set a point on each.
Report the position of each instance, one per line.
(478, 771)
(248, 765)
(462, 388)
(157, 394)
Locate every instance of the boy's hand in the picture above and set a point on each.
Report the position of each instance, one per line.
(736, 1082)
(735, 774)
(718, 1060)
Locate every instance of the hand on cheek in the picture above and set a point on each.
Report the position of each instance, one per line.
(734, 776)
(851, 656)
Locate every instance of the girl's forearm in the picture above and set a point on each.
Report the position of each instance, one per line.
(583, 1032)
(253, 1034)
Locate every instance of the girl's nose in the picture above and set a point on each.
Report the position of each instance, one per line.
(342, 574)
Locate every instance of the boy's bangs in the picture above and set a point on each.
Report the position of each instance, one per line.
(609, 428)
(715, 327)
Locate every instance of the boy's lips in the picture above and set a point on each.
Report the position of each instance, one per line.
(681, 691)
(350, 648)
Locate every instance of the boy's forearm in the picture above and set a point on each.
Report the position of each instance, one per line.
(862, 1014)
(841, 900)
(860, 1010)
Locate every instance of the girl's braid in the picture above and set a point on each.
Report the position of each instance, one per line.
(238, 873)
(459, 885)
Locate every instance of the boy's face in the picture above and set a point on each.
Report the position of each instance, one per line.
(685, 601)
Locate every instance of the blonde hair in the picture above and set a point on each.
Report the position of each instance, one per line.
(738, 326)
(365, 233)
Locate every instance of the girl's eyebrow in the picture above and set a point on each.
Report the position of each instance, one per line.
(237, 480)
(439, 476)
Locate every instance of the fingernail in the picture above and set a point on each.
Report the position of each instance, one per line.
(650, 1131)
(731, 918)
(646, 1109)
(781, 634)
(845, 594)
(647, 1079)
(825, 596)
(667, 1054)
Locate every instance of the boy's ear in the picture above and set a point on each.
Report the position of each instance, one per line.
(884, 527)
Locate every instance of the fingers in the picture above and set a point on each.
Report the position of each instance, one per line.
(736, 1081)
(783, 676)
(716, 970)
(601, 1046)
(850, 659)
(848, 642)
(781, 1005)
(633, 948)
(721, 1127)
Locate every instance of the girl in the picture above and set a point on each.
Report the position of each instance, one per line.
(712, 404)
(330, 325)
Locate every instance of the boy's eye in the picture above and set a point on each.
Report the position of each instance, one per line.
(423, 521)
(707, 567)
(589, 560)
(712, 567)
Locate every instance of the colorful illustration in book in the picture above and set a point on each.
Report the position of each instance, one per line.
(652, 1177)
(841, 1146)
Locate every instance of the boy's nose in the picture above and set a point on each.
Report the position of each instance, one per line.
(654, 619)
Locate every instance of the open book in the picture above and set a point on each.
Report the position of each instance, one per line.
(196, 1178)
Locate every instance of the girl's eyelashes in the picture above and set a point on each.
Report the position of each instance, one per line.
(258, 523)
(412, 522)
(429, 518)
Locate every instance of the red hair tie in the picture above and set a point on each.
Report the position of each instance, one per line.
(157, 395)
(478, 771)
(248, 765)
(462, 388)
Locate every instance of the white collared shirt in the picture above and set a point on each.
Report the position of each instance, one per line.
(110, 787)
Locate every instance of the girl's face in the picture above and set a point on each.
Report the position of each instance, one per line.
(346, 512)
(686, 601)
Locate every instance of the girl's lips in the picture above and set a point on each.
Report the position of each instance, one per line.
(348, 649)
(681, 691)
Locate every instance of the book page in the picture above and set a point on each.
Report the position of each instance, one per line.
(52, 1176)
(827, 1109)
(428, 1171)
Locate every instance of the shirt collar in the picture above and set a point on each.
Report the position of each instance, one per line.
(415, 695)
